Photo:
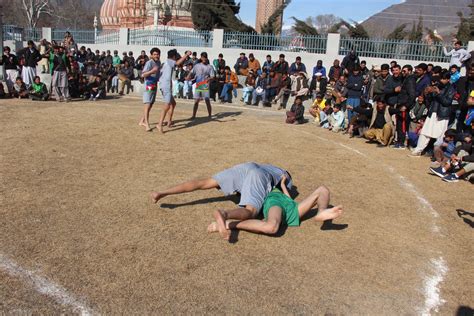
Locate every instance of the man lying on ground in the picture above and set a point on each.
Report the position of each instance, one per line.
(252, 180)
(279, 208)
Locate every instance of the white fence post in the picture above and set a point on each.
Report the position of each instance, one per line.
(218, 39)
(47, 33)
(333, 44)
(123, 36)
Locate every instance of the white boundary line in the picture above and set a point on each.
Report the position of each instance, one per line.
(44, 286)
(437, 266)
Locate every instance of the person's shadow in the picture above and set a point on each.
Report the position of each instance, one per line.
(465, 216)
(187, 123)
(234, 198)
(464, 311)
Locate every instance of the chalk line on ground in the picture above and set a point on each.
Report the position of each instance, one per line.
(44, 286)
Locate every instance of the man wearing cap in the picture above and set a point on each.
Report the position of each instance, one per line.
(166, 85)
(300, 85)
(202, 73)
(318, 85)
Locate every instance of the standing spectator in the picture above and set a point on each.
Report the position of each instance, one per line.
(188, 89)
(202, 72)
(393, 86)
(43, 50)
(319, 68)
(458, 54)
(178, 84)
(38, 90)
(379, 87)
(254, 64)
(350, 61)
(10, 65)
(440, 98)
(336, 70)
(423, 80)
(354, 90)
(268, 65)
(455, 74)
(60, 66)
(241, 65)
(125, 75)
(151, 74)
(406, 98)
(32, 57)
(465, 88)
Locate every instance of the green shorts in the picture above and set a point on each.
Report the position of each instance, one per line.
(290, 215)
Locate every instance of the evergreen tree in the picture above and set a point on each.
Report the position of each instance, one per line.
(398, 33)
(304, 28)
(416, 34)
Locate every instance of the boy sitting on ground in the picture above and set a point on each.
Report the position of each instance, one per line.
(19, 89)
(318, 105)
(336, 119)
(38, 90)
(462, 159)
(444, 148)
(279, 208)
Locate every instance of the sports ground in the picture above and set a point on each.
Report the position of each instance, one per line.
(78, 232)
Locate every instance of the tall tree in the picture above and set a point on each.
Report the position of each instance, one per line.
(273, 24)
(416, 33)
(304, 28)
(35, 9)
(210, 14)
(398, 33)
(464, 29)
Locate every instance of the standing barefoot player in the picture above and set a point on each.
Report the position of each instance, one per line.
(166, 85)
(203, 73)
(151, 74)
(279, 208)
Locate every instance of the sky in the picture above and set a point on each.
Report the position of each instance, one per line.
(301, 9)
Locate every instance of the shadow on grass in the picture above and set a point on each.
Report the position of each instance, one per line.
(465, 217)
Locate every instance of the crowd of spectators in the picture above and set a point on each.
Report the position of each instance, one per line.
(427, 109)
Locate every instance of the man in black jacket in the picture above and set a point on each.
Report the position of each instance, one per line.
(465, 86)
(10, 64)
(406, 98)
(32, 57)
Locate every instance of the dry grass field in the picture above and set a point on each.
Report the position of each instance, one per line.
(78, 233)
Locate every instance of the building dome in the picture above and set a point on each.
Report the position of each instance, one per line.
(108, 15)
(132, 13)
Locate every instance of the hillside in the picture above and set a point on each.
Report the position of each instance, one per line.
(440, 15)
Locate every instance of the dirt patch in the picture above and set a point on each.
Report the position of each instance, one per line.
(74, 209)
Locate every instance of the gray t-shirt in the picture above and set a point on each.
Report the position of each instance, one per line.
(251, 180)
(167, 74)
(152, 79)
(202, 72)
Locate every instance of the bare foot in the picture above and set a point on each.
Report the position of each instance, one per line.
(212, 228)
(170, 124)
(142, 123)
(160, 129)
(220, 222)
(330, 213)
(156, 196)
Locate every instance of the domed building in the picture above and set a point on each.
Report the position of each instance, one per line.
(134, 14)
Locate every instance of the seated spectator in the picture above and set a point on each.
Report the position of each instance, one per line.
(359, 123)
(219, 63)
(283, 92)
(254, 64)
(461, 160)
(281, 66)
(329, 95)
(336, 119)
(414, 133)
(230, 83)
(38, 90)
(444, 148)
(96, 89)
(19, 89)
(324, 117)
(268, 65)
(272, 88)
(125, 75)
(110, 72)
(381, 128)
(296, 114)
(319, 68)
(318, 85)
(300, 86)
(260, 89)
(340, 90)
(2, 91)
(140, 62)
(297, 67)
(335, 71)
(242, 65)
(318, 105)
(247, 91)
